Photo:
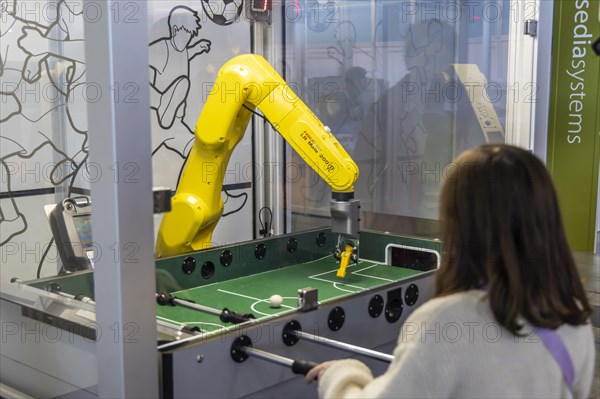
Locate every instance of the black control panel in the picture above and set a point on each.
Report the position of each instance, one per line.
(71, 225)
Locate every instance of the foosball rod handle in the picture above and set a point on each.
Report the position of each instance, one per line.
(297, 366)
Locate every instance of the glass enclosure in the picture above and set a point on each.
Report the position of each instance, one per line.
(44, 142)
(43, 128)
(405, 86)
(182, 75)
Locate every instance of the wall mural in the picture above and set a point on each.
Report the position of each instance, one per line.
(173, 61)
(223, 12)
(37, 83)
(44, 96)
(170, 59)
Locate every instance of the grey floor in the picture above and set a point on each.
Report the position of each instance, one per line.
(589, 270)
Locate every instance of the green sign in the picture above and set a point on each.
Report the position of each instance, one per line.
(574, 120)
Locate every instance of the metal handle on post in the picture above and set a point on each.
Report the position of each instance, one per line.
(242, 349)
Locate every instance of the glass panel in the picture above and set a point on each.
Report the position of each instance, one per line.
(43, 123)
(189, 41)
(43, 119)
(405, 86)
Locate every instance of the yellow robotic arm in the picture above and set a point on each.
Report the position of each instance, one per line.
(244, 83)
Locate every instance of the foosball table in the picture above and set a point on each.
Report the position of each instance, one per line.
(244, 320)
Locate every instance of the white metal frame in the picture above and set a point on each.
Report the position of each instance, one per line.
(269, 145)
(543, 78)
(124, 279)
(522, 83)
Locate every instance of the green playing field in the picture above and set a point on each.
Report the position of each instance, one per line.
(251, 294)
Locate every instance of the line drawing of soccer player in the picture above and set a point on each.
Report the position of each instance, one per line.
(170, 59)
(29, 57)
(12, 60)
(66, 30)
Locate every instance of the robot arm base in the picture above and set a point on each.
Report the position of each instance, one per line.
(189, 225)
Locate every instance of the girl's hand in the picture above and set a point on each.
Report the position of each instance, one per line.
(317, 371)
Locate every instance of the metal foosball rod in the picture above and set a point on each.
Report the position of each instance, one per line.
(225, 315)
(55, 289)
(293, 330)
(345, 346)
(242, 349)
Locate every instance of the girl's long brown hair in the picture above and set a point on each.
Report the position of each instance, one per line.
(502, 231)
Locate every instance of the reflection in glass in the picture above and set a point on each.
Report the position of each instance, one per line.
(405, 86)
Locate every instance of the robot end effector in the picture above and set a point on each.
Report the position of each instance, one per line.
(345, 214)
(345, 218)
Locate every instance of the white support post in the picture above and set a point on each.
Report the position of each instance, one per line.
(122, 212)
(543, 79)
(522, 87)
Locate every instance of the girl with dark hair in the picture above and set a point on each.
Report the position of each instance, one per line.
(510, 317)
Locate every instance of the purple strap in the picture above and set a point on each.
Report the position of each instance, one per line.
(559, 352)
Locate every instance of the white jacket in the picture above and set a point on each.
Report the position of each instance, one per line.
(452, 347)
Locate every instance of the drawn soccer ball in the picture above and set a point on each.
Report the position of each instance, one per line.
(223, 12)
